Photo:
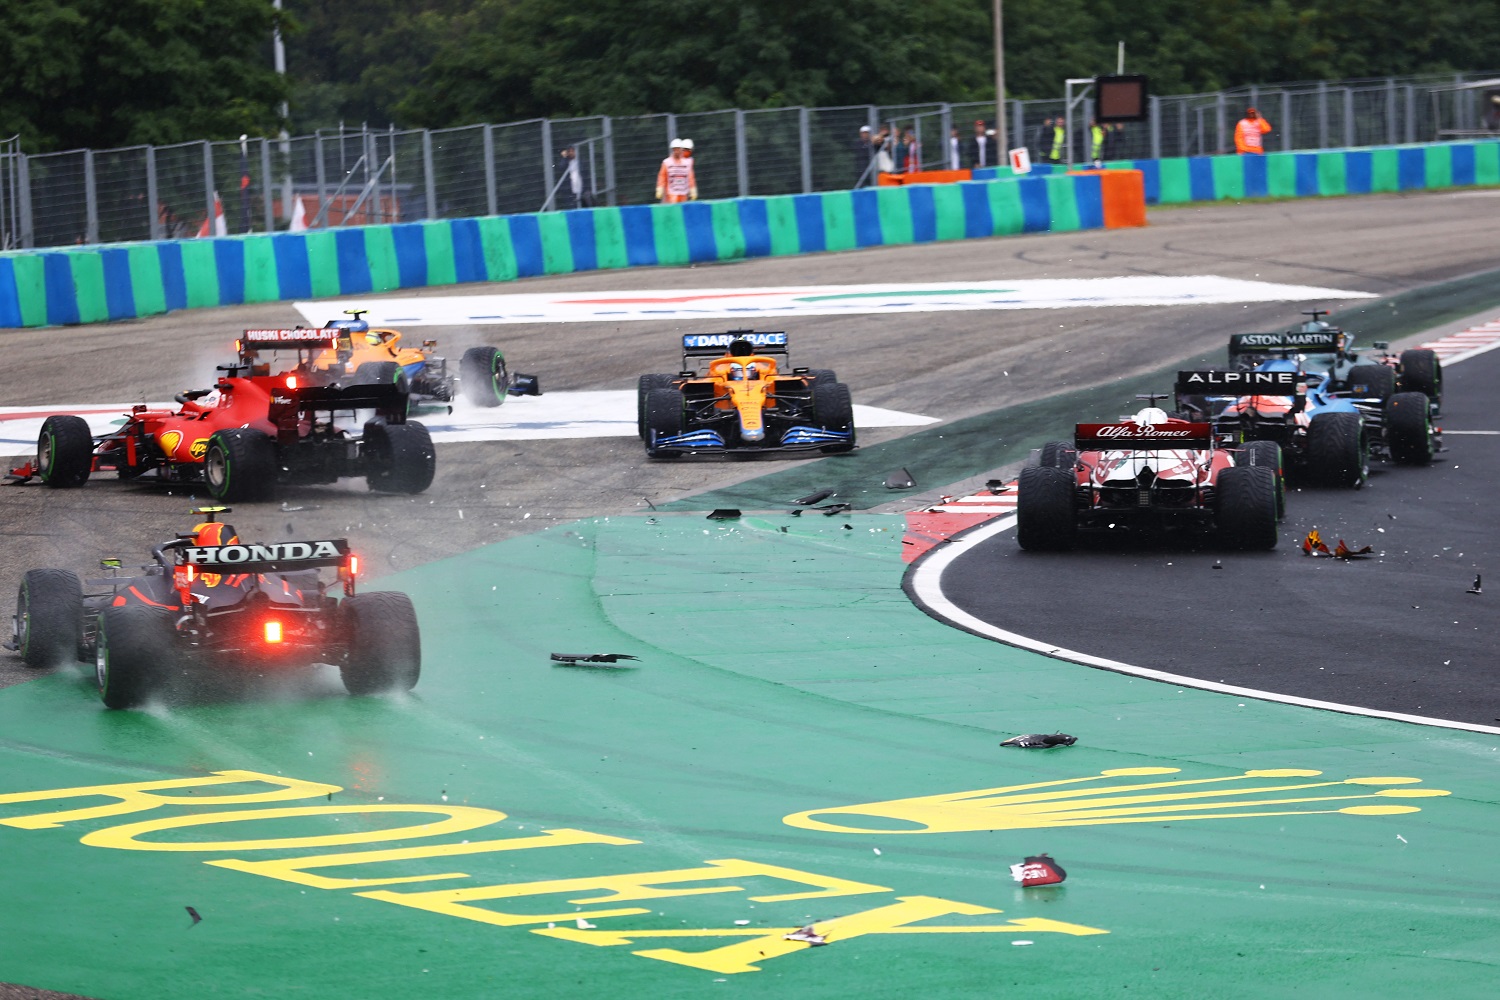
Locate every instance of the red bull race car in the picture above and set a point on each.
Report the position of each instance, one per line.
(208, 601)
(747, 399)
(1150, 472)
(275, 416)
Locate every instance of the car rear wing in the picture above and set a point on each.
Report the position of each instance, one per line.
(270, 557)
(1239, 383)
(1305, 342)
(300, 337)
(713, 345)
(1145, 437)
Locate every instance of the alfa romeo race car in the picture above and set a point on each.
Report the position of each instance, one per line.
(208, 601)
(375, 355)
(272, 417)
(1329, 417)
(1328, 350)
(1149, 472)
(745, 400)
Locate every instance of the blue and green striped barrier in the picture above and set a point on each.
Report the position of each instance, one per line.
(94, 284)
(1180, 179)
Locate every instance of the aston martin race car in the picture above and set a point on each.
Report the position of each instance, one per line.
(1325, 349)
(208, 601)
(375, 355)
(1149, 472)
(273, 416)
(747, 399)
(1329, 417)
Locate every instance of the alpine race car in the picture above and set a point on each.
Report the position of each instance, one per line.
(1149, 472)
(270, 418)
(375, 355)
(1330, 351)
(1329, 425)
(208, 601)
(744, 401)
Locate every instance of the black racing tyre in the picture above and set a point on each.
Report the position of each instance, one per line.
(1421, 371)
(398, 458)
(64, 451)
(1378, 381)
(380, 372)
(240, 464)
(482, 376)
(1408, 428)
(833, 408)
(1267, 454)
(1337, 452)
(644, 388)
(822, 376)
(384, 643)
(663, 419)
(1046, 520)
(134, 653)
(1247, 507)
(1058, 455)
(49, 617)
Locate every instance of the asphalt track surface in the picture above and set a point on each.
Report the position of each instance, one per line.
(1395, 631)
(943, 365)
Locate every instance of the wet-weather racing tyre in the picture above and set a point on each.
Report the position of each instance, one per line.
(646, 385)
(1247, 508)
(49, 617)
(384, 644)
(1058, 455)
(482, 376)
(399, 458)
(240, 464)
(1267, 454)
(1045, 518)
(1337, 452)
(1373, 381)
(663, 420)
(833, 407)
(1421, 371)
(1408, 428)
(134, 653)
(64, 451)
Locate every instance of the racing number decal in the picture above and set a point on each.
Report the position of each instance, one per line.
(199, 448)
(729, 950)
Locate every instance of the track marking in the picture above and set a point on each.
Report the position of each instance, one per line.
(1466, 344)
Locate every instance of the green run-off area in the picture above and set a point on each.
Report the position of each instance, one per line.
(791, 712)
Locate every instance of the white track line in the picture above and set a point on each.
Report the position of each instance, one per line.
(925, 583)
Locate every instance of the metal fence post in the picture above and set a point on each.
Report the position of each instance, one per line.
(1411, 113)
(152, 197)
(208, 187)
(671, 127)
(267, 202)
(548, 167)
(322, 173)
(492, 200)
(1155, 127)
(1349, 136)
(1018, 126)
(429, 182)
(1286, 121)
(945, 129)
(1221, 107)
(1390, 111)
(90, 200)
(28, 232)
(741, 153)
(609, 160)
(802, 127)
(1322, 114)
(1182, 128)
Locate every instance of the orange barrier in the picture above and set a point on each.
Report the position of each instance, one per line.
(1124, 196)
(924, 177)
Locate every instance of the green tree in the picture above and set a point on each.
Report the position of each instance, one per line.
(106, 73)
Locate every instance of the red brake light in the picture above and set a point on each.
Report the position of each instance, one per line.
(353, 565)
(273, 631)
(291, 381)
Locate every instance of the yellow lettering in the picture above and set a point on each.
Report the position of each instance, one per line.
(293, 869)
(138, 796)
(620, 888)
(767, 943)
(460, 818)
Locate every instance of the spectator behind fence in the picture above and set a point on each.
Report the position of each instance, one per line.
(1059, 144)
(885, 144)
(1114, 141)
(955, 151)
(577, 178)
(675, 181)
(912, 152)
(1096, 143)
(1041, 141)
(864, 147)
(981, 148)
(1247, 133)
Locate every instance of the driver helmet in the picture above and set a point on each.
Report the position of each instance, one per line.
(739, 347)
(1152, 415)
(214, 533)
